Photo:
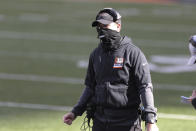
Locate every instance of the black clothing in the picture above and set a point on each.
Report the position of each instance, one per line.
(110, 39)
(115, 81)
(100, 126)
(194, 103)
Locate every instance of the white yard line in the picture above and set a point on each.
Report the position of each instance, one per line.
(85, 39)
(176, 116)
(38, 78)
(160, 27)
(174, 87)
(130, 12)
(39, 55)
(45, 36)
(171, 12)
(170, 64)
(68, 80)
(68, 108)
(30, 17)
(35, 106)
(177, 59)
(172, 69)
(160, 43)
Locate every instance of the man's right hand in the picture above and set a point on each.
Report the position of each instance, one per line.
(68, 118)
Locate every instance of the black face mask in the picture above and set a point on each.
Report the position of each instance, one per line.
(110, 39)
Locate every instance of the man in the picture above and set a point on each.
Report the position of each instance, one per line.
(193, 99)
(192, 60)
(118, 79)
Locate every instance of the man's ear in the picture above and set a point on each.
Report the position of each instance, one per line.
(118, 27)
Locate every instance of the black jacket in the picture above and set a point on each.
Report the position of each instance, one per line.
(194, 103)
(116, 79)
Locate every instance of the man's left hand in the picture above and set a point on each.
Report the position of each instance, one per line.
(151, 127)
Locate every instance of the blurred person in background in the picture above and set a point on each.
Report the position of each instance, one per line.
(192, 60)
(193, 98)
(118, 80)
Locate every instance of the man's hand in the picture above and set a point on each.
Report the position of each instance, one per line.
(185, 99)
(68, 118)
(151, 127)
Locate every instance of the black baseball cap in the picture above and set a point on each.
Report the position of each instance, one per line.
(106, 16)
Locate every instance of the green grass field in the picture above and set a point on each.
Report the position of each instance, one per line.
(42, 42)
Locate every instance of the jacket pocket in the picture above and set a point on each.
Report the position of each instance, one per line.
(117, 95)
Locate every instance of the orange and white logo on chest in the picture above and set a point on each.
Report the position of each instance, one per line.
(118, 62)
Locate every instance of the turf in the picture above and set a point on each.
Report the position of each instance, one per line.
(48, 38)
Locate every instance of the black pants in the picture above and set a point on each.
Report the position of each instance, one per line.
(99, 126)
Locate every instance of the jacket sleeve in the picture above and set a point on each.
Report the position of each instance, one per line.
(143, 81)
(80, 107)
(88, 92)
(194, 103)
